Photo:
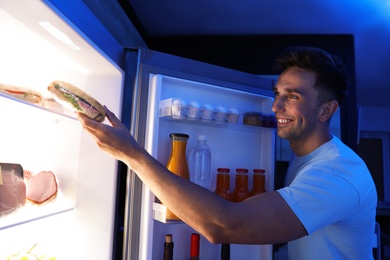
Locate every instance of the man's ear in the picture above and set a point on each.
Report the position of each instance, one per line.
(327, 110)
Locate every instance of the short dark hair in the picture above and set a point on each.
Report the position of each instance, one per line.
(332, 80)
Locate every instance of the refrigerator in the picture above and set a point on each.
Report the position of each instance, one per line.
(39, 44)
(165, 87)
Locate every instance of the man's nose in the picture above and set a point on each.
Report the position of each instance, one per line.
(278, 104)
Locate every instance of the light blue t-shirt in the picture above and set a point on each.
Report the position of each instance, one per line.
(332, 193)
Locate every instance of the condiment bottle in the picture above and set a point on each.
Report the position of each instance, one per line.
(223, 183)
(258, 182)
(168, 247)
(177, 162)
(225, 252)
(241, 191)
(194, 246)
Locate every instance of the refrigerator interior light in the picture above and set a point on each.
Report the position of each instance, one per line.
(59, 35)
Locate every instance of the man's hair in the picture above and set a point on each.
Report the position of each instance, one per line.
(331, 76)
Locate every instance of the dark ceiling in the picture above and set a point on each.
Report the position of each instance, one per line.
(239, 34)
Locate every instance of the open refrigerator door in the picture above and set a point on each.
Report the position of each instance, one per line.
(234, 141)
(39, 46)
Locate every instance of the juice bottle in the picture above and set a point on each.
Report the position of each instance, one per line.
(258, 182)
(177, 162)
(241, 191)
(223, 183)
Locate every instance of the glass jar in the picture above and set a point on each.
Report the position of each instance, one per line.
(223, 183)
(258, 182)
(241, 191)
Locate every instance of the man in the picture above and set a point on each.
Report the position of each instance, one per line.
(326, 210)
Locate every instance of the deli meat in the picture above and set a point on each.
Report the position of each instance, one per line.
(41, 187)
(12, 189)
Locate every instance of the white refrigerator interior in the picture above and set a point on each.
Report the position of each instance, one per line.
(39, 46)
(233, 145)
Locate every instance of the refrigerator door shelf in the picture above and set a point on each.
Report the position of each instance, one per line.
(159, 214)
(26, 129)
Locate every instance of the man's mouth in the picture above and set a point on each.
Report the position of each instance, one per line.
(283, 121)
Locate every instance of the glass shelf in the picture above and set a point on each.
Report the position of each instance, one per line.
(31, 212)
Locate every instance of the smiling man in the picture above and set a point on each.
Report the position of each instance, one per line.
(328, 187)
(327, 208)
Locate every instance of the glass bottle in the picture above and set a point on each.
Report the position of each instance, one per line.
(225, 252)
(168, 247)
(223, 183)
(194, 246)
(200, 163)
(177, 162)
(258, 182)
(241, 191)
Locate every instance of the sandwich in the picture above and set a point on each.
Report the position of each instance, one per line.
(22, 93)
(77, 100)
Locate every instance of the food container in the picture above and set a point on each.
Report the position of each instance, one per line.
(193, 110)
(175, 107)
(12, 187)
(207, 112)
(232, 116)
(220, 114)
(269, 121)
(253, 118)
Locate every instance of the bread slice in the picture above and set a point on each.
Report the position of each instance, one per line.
(77, 100)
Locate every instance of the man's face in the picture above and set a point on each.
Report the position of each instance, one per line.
(295, 104)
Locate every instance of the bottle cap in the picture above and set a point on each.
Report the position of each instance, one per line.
(258, 171)
(223, 170)
(242, 170)
(168, 238)
(202, 138)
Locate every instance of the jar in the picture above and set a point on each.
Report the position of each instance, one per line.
(241, 191)
(258, 182)
(223, 183)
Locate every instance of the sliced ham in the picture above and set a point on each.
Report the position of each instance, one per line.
(12, 192)
(41, 187)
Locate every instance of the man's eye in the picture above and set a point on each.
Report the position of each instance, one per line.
(293, 96)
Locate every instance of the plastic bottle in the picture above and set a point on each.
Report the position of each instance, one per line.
(177, 162)
(258, 181)
(200, 163)
(223, 184)
(241, 191)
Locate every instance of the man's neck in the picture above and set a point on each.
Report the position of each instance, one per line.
(304, 147)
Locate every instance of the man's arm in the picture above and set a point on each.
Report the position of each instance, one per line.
(262, 219)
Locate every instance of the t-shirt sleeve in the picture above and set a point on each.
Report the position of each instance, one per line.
(319, 197)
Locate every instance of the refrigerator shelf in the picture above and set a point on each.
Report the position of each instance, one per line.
(53, 115)
(30, 213)
(159, 214)
(213, 123)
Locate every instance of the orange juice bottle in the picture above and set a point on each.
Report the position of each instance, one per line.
(258, 181)
(241, 191)
(177, 162)
(223, 183)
